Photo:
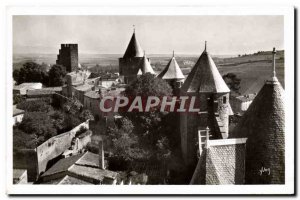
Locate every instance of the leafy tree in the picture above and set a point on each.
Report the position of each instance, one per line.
(233, 82)
(72, 106)
(148, 85)
(35, 106)
(30, 72)
(23, 140)
(149, 126)
(125, 143)
(39, 125)
(145, 86)
(70, 121)
(57, 75)
(58, 119)
(86, 115)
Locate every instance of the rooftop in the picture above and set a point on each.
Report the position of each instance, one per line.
(83, 87)
(145, 66)
(134, 49)
(264, 126)
(172, 71)
(28, 86)
(83, 167)
(205, 77)
(17, 111)
(69, 180)
(17, 173)
(94, 94)
(222, 162)
(247, 97)
(44, 91)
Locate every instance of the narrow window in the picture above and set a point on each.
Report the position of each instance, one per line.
(224, 100)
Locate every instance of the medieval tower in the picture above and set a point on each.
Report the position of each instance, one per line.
(145, 66)
(129, 64)
(263, 124)
(68, 56)
(172, 74)
(206, 84)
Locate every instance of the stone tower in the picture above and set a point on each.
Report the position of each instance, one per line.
(172, 73)
(68, 56)
(263, 124)
(145, 66)
(212, 94)
(129, 64)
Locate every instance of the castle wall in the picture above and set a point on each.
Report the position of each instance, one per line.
(55, 146)
(36, 160)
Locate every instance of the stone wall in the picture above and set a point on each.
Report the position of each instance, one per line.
(36, 160)
(55, 146)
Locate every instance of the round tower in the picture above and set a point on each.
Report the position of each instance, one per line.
(263, 124)
(172, 74)
(207, 85)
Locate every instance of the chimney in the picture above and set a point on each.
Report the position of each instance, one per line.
(101, 155)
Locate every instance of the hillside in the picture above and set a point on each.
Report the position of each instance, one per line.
(252, 69)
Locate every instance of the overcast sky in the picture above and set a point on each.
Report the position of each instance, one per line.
(226, 35)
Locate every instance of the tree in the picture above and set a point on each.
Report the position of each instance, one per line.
(30, 72)
(86, 115)
(39, 125)
(22, 140)
(145, 86)
(58, 119)
(70, 121)
(35, 106)
(148, 85)
(126, 144)
(72, 106)
(149, 126)
(57, 75)
(233, 82)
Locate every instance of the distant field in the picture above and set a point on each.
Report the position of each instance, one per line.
(252, 69)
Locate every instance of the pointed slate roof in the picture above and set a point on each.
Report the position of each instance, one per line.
(172, 70)
(264, 123)
(221, 162)
(134, 49)
(205, 77)
(145, 66)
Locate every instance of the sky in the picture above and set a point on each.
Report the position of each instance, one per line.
(225, 35)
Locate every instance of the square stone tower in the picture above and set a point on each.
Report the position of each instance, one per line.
(68, 57)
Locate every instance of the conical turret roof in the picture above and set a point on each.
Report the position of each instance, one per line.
(264, 124)
(134, 49)
(205, 77)
(145, 66)
(172, 71)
